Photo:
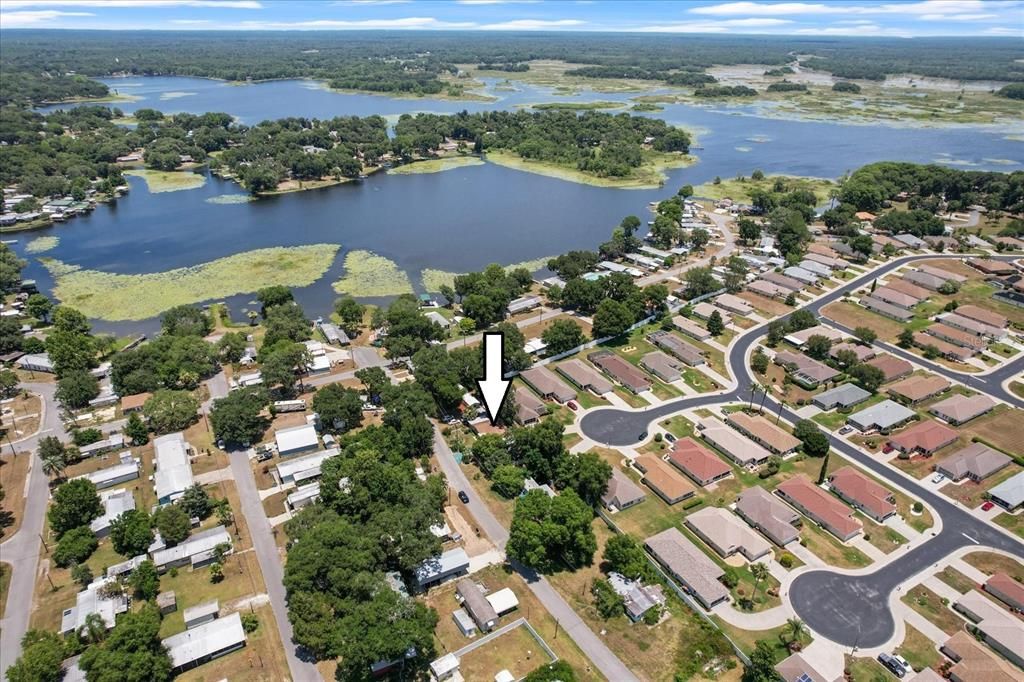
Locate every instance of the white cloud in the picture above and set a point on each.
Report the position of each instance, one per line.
(225, 4)
(531, 24)
(865, 30)
(943, 8)
(349, 3)
(405, 23)
(1004, 31)
(715, 26)
(767, 9)
(23, 19)
(957, 17)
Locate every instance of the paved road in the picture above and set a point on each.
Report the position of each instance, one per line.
(270, 563)
(21, 550)
(849, 610)
(721, 222)
(594, 649)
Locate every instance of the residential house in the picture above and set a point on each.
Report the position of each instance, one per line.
(956, 336)
(778, 279)
(126, 470)
(472, 598)
(337, 336)
(621, 370)
(976, 462)
(863, 353)
(974, 327)
(763, 432)
(982, 315)
(960, 409)
(1007, 590)
(941, 273)
(991, 267)
(768, 289)
(529, 408)
(584, 376)
(35, 362)
(879, 306)
(524, 303)
(805, 276)
(831, 262)
(916, 389)
(549, 386)
(926, 438)
(94, 599)
(972, 662)
(923, 279)
(843, 396)
(200, 614)
(883, 416)
(796, 668)
(865, 494)
(677, 347)
(892, 367)
(637, 598)
(977, 607)
(114, 441)
(173, 469)
(800, 338)
(690, 328)
(736, 447)
(907, 288)
(198, 550)
(1005, 634)
(910, 240)
(895, 297)
(296, 439)
(733, 304)
(303, 496)
(704, 310)
(806, 371)
(697, 462)
(622, 493)
(192, 648)
(1010, 493)
(819, 506)
(662, 366)
(726, 534)
(690, 566)
(302, 469)
(435, 570)
(664, 480)
(766, 513)
(946, 350)
(115, 503)
(816, 268)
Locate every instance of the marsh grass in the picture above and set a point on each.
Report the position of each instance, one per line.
(231, 199)
(368, 275)
(168, 181)
(113, 297)
(433, 280)
(42, 244)
(436, 165)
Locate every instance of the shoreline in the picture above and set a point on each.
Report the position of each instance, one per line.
(653, 167)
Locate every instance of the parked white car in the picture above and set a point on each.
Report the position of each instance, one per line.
(938, 478)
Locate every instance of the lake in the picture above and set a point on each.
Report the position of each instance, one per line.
(460, 219)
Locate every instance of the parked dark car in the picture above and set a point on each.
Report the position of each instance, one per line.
(464, 497)
(892, 665)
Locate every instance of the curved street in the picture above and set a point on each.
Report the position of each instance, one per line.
(850, 610)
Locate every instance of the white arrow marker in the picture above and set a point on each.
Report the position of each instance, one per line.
(493, 387)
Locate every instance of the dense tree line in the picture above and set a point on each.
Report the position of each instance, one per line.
(787, 86)
(725, 91)
(870, 187)
(26, 87)
(596, 142)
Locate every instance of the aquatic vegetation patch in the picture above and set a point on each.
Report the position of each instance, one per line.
(114, 297)
(231, 199)
(168, 181)
(436, 165)
(743, 149)
(368, 274)
(42, 244)
(573, 106)
(433, 280)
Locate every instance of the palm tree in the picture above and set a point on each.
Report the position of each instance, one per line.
(796, 629)
(764, 394)
(53, 464)
(760, 573)
(94, 630)
(753, 390)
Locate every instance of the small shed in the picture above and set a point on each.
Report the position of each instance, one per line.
(445, 667)
(465, 624)
(201, 613)
(167, 602)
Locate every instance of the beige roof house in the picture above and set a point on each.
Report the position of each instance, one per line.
(892, 367)
(914, 389)
(622, 492)
(977, 462)
(763, 432)
(544, 381)
(669, 484)
(959, 409)
(973, 662)
(981, 315)
(737, 447)
(768, 514)
(727, 534)
(685, 562)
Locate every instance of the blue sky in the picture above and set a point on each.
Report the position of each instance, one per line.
(808, 17)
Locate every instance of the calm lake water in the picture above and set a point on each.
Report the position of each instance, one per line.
(460, 219)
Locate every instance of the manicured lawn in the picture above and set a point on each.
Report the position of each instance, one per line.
(275, 504)
(919, 651)
(972, 494)
(955, 579)
(931, 606)
(1017, 388)
(587, 400)
(776, 637)
(863, 669)
(1011, 522)
(882, 537)
(678, 426)
(837, 418)
(829, 549)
